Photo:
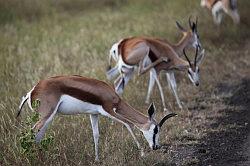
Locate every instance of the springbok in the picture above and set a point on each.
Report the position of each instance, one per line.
(154, 55)
(217, 6)
(80, 95)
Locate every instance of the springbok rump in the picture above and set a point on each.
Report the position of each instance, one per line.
(155, 55)
(80, 95)
(218, 6)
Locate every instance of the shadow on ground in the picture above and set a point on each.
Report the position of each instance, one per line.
(224, 143)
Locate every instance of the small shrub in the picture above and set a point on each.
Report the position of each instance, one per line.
(28, 146)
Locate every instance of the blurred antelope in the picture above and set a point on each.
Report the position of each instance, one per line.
(154, 55)
(217, 6)
(80, 95)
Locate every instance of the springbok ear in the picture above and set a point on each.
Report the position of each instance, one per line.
(200, 57)
(151, 111)
(166, 117)
(180, 27)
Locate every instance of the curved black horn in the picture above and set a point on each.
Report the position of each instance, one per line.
(166, 117)
(196, 54)
(196, 21)
(186, 57)
(189, 21)
(180, 27)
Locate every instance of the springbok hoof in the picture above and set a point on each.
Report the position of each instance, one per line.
(142, 153)
(97, 160)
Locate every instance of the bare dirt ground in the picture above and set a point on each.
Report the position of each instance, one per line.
(227, 147)
(226, 127)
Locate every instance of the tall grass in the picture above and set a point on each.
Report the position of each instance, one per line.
(43, 38)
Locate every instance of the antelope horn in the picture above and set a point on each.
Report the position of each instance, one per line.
(166, 117)
(180, 27)
(196, 54)
(196, 21)
(186, 57)
(189, 21)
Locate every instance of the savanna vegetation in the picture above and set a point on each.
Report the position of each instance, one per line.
(43, 38)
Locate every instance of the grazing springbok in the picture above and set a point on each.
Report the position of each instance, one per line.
(217, 6)
(154, 55)
(80, 95)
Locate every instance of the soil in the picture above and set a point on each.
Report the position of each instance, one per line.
(225, 139)
(228, 146)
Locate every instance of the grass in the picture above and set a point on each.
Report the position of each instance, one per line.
(40, 39)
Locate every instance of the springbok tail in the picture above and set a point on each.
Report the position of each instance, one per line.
(109, 62)
(113, 54)
(24, 99)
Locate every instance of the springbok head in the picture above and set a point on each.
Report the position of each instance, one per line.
(191, 34)
(193, 69)
(152, 130)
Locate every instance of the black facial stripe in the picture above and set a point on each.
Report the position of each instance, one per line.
(154, 140)
(190, 74)
(155, 130)
(154, 135)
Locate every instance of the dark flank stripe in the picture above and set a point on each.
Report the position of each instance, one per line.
(82, 95)
(152, 56)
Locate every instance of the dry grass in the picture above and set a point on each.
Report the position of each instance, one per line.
(40, 39)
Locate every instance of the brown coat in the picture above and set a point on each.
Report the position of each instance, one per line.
(93, 91)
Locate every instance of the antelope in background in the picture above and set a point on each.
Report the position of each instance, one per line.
(155, 55)
(80, 95)
(217, 6)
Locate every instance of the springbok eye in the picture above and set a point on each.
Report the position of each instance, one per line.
(198, 70)
(189, 73)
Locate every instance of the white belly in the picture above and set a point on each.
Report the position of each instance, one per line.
(71, 105)
(123, 66)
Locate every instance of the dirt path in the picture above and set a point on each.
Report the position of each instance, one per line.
(227, 143)
(247, 150)
(222, 118)
(226, 140)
